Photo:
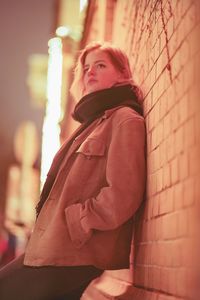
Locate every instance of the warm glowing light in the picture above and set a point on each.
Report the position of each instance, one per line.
(62, 31)
(51, 128)
(83, 3)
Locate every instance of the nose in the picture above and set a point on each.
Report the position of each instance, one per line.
(91, 71)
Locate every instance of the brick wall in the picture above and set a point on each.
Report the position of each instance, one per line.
(160, 39)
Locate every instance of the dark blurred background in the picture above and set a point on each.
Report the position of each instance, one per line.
(25, 28)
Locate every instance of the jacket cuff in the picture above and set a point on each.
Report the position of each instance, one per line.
(77, 234)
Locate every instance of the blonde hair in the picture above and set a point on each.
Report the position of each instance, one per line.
(118, 58)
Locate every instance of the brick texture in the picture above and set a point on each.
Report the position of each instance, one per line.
(163, 55)
(161, 40)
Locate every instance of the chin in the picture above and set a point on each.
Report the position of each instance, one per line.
(91, 90)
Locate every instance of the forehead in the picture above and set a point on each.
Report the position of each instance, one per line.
(96, 55)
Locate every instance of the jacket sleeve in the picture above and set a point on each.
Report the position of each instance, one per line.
(126, 177)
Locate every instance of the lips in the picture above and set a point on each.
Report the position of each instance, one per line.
(90, 81)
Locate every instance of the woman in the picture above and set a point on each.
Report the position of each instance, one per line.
(94, 187)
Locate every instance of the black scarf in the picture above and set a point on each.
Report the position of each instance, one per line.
(88, 109)
(94, 104)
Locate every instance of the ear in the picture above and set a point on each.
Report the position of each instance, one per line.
(121, 77)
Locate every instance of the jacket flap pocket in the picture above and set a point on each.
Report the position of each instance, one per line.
(92, 147)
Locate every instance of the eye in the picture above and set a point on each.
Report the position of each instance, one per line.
(85, 70)
(101, 66)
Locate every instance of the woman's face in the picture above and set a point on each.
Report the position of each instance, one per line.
(99, 72)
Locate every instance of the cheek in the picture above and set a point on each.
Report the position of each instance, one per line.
(84, 80)
(111, 78)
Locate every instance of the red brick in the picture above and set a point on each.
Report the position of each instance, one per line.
(154, 93)
(192, 278)
(176, 64)
(162, 153)
(188, 192)
(178, 196)
(151, 230)
(166, 254)
(183, 165)
(166, 201)
(156, 112)
(159, 62)
(176, 258)
(158, 222)
(193, 224)
(159, 180)
(151, 162)
(148, 254)
(170, 146)
(178, 140)
(197, 128)
(166, 175)
(157, 162)
(156, 205)
(170, 97)
(192, 107)
(167, 125)
(150, 208)
(160, 132)
(186, 246)
(150, 277)
(149, 146)
(167, 78)
(152, 184)
(181, 281)
(161, 85)
(169, 226)
(164, 286)
(170, 27)
(156, 278)
(189, 19)
(163, 106)
(147, 107)
(183, 109)
(154, 73)
(193, 40)
(140, 255)
(174, 170)
(183, 224)
(188, 77)
(139, 275)
(178, 86)
(184, 52)
(173, 45)
(196, 192)
(165, 62)
(172, 281)
(154, 138)
(174, 117)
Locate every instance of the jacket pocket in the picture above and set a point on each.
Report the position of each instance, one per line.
(91, 166)
(92, 147)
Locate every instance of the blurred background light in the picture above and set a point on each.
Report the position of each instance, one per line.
(83, 4)
(51, 128)
(63, 31)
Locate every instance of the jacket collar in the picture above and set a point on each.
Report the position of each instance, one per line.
(109, 112)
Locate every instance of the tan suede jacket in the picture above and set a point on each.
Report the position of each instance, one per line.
(87, 218)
